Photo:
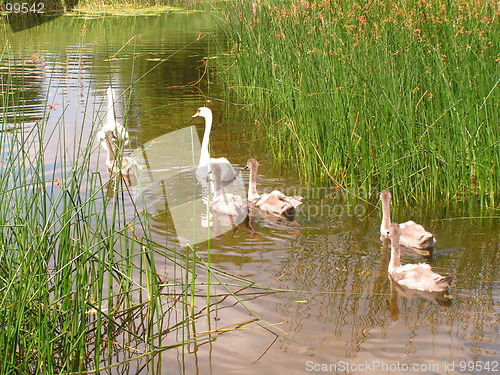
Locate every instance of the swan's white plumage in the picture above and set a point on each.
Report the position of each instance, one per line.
(111, 125)
(228, 173)
(115, 162)
(113, 137)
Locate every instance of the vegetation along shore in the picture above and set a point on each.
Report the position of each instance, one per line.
(400, 94)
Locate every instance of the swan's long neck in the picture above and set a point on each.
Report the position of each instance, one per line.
(205, 155)
(385, 227)
(111, 110)
(395, 261)
(252, 183)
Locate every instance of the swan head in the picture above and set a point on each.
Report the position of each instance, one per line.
(385, 195)
(203, 112)
(252, 164)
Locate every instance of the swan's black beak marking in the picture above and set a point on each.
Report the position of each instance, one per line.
(197, 113)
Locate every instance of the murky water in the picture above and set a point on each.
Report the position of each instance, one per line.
(327, 305)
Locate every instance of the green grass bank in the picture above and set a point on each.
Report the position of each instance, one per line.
(370, 95)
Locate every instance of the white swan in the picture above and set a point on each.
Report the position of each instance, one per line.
(413, 276)
(412, 234)
(120, 134)
(226, 203)
(275, 202)
(116, 164)
(228, 173)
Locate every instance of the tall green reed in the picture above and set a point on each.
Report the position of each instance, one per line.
(366, 96)
(81, 291)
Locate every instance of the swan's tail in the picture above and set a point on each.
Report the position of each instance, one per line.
(427, 240)
(290, 204)
(444, 282)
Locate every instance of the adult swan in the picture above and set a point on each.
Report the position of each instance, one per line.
(228, 173)
(120, 134)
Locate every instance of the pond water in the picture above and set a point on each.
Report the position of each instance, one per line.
(327, 305)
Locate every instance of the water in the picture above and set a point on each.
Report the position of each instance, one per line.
(322, 292)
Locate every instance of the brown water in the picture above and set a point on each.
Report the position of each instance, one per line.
(322, 293)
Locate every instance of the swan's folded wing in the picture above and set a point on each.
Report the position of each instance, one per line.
(420, 277)
(294, 201)
(414, 235)
(273, 203)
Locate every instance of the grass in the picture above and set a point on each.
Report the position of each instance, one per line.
(80, 287)
(401, 95)
(52, 7)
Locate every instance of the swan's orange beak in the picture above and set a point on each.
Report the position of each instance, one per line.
(196, 114)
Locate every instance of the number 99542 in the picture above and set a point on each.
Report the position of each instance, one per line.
(9, 7)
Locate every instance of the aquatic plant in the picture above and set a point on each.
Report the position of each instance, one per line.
(80, 287)
(400, 95)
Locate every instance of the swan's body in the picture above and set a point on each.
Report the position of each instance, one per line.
(413, 276)
(111, 125)
(226, 203)
(412, 234)
(228, 173)
(275, 202)
(114, 163)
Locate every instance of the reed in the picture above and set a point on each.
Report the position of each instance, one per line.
(400, 95)
(80, 288)
(54, 7)
(162, 6)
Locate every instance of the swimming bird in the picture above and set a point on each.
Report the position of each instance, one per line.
(228, 173)
(275, 202)
(413, 276)
(226, 203)
(412, 234)
(120, 134)
(114, 162)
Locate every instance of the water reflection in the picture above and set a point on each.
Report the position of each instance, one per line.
(328, 259)
(442, 298)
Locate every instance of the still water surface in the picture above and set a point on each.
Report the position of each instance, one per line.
(329, 304)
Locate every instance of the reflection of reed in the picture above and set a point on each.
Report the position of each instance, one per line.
(347, 288)
(336, 280)
(141, 333)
